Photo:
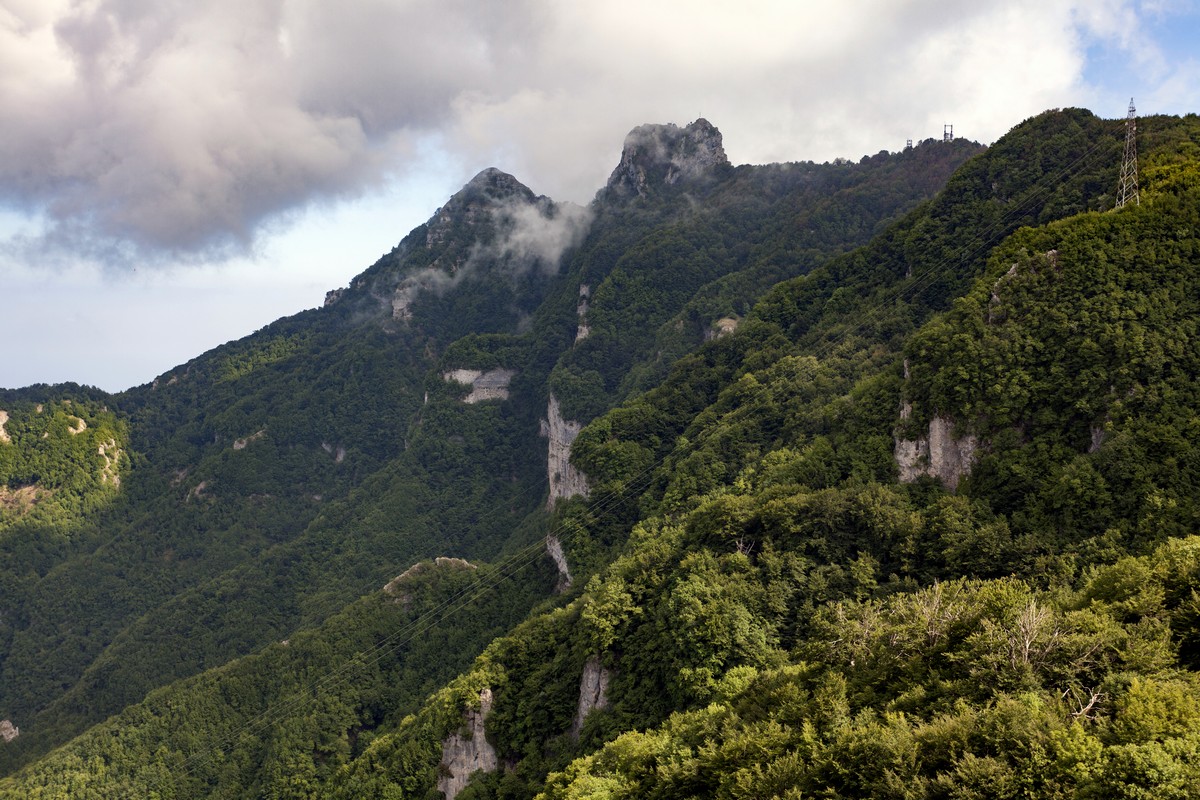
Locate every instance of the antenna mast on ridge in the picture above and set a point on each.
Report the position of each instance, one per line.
(1127, 190)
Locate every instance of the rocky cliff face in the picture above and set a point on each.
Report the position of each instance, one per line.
(463, 755)
(937, 454)
(593, 693)
(665, 154)
(554, 549)
(3, 421)
(8, 731)
(565, 480)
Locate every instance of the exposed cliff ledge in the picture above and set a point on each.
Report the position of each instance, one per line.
(593, 693)
(489, 385)
(4, 421)
(8, 731)
(666, 154)
(938, 454)
(565, 480)
(465, 754)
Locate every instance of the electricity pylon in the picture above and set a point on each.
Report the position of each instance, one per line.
(1127, 191)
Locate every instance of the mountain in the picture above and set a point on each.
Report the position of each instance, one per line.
(856, 480)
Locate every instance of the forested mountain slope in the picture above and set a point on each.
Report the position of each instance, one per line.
(263, 486)
(923, 525)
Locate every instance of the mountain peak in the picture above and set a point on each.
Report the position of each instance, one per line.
(494, 184)
(666, 154)
(487, 191)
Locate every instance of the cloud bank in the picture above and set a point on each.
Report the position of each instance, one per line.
(144, 130)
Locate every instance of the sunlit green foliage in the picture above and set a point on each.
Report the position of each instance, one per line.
(62, 457)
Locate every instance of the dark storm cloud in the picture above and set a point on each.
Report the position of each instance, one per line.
(182, 126)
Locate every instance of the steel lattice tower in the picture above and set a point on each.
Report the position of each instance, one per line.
(1127, 191)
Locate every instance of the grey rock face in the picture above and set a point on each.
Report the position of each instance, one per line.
(463, 755)
(554, 549)
(667, 154)
(938, 454)
(593, 693)
(565, 480)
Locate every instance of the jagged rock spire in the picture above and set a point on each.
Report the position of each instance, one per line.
(666, 154)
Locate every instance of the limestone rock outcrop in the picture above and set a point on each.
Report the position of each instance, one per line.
(554, 549)
(465, 754)
(240, 444)
(110, 473)
(8, 731)
(485, 385)
(593, 693)
(565, 480)
(937, 454)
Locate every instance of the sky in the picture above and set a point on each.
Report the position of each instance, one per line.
(175, 175)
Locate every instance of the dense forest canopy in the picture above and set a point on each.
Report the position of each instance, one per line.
(874, 479)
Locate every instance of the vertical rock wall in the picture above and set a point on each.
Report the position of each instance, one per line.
(565, 480)
(463, 755)
(593, 693)
(938, 454)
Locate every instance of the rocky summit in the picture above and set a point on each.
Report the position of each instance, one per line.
(655, 155)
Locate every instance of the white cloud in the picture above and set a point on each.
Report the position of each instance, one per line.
(146, 130)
